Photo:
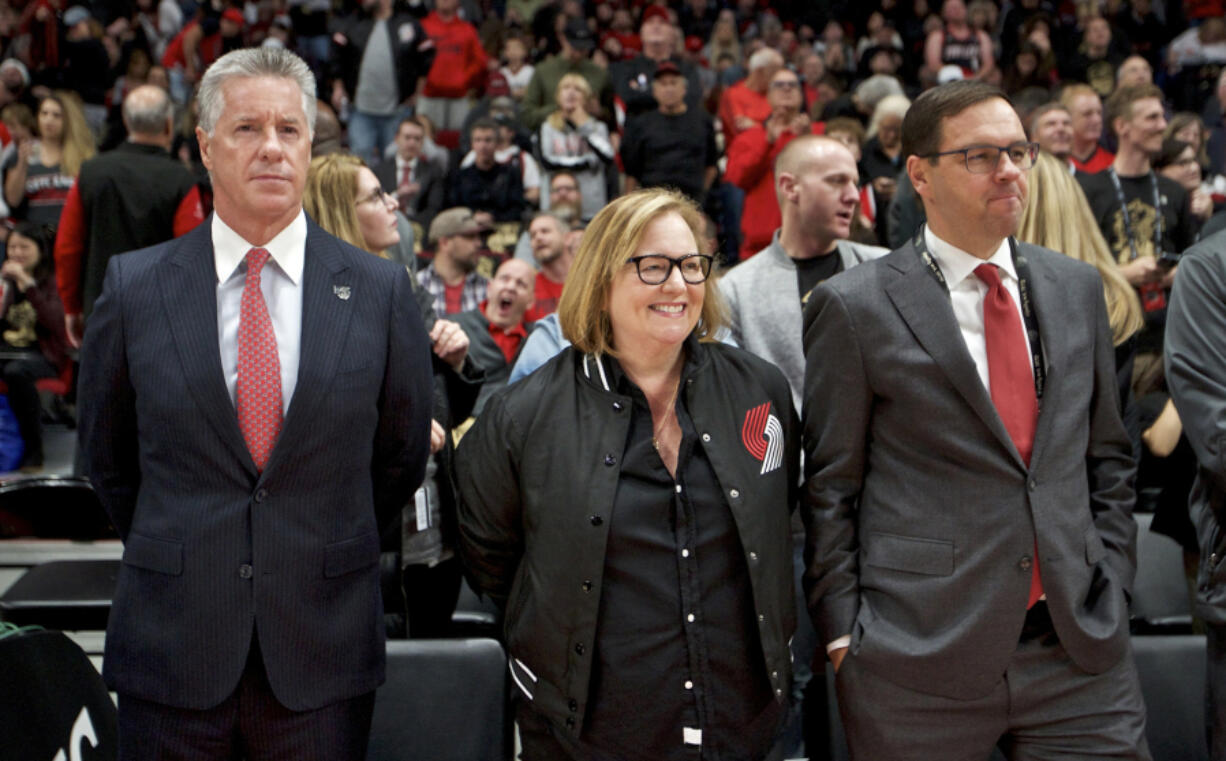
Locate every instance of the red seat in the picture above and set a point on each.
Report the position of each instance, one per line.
(59, 385)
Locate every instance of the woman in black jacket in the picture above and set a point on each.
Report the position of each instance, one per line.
(628, 504)
(35, 344)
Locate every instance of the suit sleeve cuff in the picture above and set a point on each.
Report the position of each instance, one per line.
(844, 641)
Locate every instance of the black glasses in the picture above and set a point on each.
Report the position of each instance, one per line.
(983, 159)
(656, 269)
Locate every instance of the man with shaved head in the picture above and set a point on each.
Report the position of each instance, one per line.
(496, 328)
(128, 198)
(816, 187)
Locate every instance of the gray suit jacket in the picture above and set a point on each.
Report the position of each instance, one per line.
(1196, 373)
(764, 310)
(921, 515)
(214, 549)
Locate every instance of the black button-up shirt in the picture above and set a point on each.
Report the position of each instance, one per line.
(677, 671)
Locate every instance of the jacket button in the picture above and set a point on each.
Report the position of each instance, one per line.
(1024, 563)
(244, 571)
(753, 557)
(689, 685)
(761, 618)
(1033, 484)
(587, 586)
(734, 493)
(261, 495)
(570, 722)
(617, 406)
(610, 460)
(579, 649)
(778, 693)
(596, 520)
(706, 437)
(573, 705)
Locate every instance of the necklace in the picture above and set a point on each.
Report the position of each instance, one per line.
(669, 409)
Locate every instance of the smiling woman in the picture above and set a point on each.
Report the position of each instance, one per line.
(683, 455)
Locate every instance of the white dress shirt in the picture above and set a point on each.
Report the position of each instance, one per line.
(967, 292)
(281, 284)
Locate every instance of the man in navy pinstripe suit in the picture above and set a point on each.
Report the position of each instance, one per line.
(254, 405)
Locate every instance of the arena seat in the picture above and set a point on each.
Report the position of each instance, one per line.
(444, 700)
(73, 595)
(1172, 672)
(1160, 597)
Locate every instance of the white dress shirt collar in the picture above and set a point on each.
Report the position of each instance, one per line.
(286, 249)
(956, 265)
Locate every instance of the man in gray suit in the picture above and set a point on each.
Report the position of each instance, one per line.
(968, 497)
(255, 403)
(1196, 374)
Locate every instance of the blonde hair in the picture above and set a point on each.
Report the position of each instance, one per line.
(331, 195)
(77, 140)
(609, 241)
(557, 119)
(1057, 216)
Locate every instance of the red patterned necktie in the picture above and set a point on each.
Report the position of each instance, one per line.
(406, 178)
(259, 369)
(1011, 379)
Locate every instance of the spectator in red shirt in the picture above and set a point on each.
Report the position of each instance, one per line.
(744, 105)
(752, 156)
(459, 65)
(452, 278)
(1086, 108)
(496, 329)
(548, 235)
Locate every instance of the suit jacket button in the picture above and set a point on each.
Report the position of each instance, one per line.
(1033, 484)
(261, 495)
(596, 520)
(570, 722)
(587, 586)
(1024, 563)
(579, 649)
(244, 571)
(573, 705)
(610, 460)
(617, 406)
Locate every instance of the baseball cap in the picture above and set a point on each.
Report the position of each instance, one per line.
(19, 67)
(665, 68)
(235, 15)
(455, 221)
(75, 15)
(653, 11)
(579, 35)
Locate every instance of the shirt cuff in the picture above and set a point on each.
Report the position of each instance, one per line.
(844, 641)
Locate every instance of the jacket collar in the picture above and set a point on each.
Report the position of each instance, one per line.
(604, 372)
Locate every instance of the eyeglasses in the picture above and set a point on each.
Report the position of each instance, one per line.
(785, 84)
(983, 159)
(656, 269)
(377, 196)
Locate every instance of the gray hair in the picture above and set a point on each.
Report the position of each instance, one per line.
(765, 57)
(890, 105)
(872, 90)
(147, 109)
(254, 62)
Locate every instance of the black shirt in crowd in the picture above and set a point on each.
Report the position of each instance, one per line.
(498, 190)
(677, 645)
(1178, 229)
(672, 150)
(812, 271)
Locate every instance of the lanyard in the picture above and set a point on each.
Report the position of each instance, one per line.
(1128, 229)
(1023, 289)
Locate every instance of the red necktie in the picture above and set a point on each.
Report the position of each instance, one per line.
(1011, 379)
(406, 178)
(259, 369)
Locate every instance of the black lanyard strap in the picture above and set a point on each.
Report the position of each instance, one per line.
(1023, 291)
(1128, 228)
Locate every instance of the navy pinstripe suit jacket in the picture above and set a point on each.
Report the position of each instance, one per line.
(213, 550)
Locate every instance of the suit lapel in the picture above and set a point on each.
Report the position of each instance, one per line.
(924, 306)
(190, 303)
(328, 295)
(1052, 309)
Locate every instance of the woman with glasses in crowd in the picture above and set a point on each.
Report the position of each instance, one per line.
(345, 198)
(628, 506)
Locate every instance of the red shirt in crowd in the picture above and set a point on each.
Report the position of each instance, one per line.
(547, 295)
(459, 60)
(739, 100)
(1099, 160)
(508, 340)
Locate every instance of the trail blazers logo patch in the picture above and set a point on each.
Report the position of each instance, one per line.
(763, 436)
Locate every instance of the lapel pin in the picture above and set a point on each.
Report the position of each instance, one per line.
(342, 292)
